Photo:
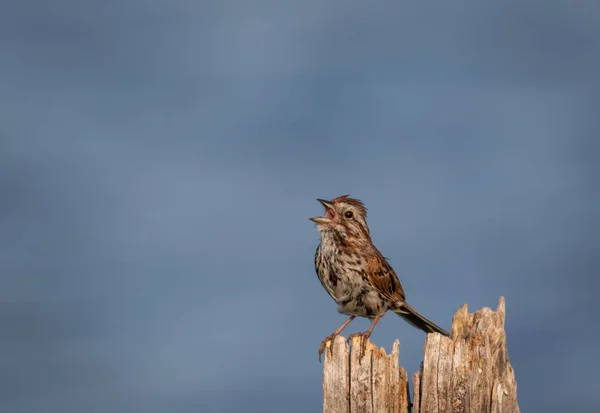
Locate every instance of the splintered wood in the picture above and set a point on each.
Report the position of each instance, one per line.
(373, 384)
(468, 372)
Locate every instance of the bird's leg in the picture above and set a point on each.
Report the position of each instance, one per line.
(365, 336)
(333, 336)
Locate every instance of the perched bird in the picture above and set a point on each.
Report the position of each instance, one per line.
(355, 274)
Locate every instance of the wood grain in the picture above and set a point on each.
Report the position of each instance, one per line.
(469, 372)
(371, 384)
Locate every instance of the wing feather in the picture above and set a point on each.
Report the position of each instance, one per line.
(383, 277)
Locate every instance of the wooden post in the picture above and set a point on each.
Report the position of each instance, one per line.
(373, 384)
(467, 373)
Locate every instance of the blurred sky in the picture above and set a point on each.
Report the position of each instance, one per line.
(159, 161)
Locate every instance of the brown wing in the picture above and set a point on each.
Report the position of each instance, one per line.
(383, 277)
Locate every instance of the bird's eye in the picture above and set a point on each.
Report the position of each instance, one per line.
(348, 214)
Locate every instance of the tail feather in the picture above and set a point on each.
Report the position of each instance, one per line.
(415, 319)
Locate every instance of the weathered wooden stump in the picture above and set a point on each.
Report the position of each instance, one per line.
(373, 384)
(469, 372)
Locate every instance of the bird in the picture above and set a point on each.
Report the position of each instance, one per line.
(356, 275)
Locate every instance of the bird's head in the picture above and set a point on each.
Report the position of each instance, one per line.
(344, 215)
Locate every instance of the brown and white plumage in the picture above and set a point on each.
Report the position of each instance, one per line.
(353, 271)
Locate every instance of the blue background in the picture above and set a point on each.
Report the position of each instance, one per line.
(159, 161)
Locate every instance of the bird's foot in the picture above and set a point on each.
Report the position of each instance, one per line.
(324, 345)
(364, 337)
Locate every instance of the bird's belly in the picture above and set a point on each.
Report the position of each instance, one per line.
(365, 303)
(353, 295)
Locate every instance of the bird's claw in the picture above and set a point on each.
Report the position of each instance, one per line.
(363, 342)
(324, 345)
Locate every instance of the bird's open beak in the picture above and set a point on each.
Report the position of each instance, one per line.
(328, 213)
(326, 204)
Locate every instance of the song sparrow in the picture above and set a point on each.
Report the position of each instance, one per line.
(355, 274)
